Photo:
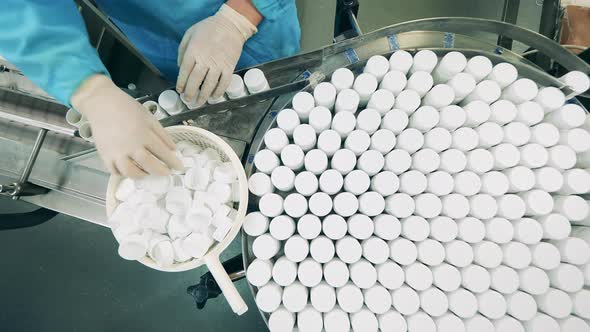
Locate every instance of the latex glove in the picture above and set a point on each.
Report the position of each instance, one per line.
(129, 140)
(209, 52)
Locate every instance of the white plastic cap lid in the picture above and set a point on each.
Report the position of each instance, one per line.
(529, 113)
(347, 101)
(324, 94)
(395, 120)
(255, 80)
(479, 66)
(377, 65)
(303, 102)
(437, 139)
(357, 141)
(394, 81)
(401, 60)
(342, 78)
(452, 117)
(397, 161)
(357, 182)
(440, 183)
(424, 60)
(407, 101)
(316, 161)
(344, 123)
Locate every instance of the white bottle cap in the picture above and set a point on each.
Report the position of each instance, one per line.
(236, 88)
(462, 84)
(504, 74)
(483, 206)
(455, 206)
(421, 82)
(304, 136)
(309, 226)
(405, 300)
(309, 272)
(581, 303)
(397, 161)
(415, 228)
(401, 60)
(284, 272)
(390, 275)
(365, 84)
(412, 182)
(295, 205)
(491, 304)
(561, 157)
(296, 248)
(283, 178)
(407, 101)
(516, 255)
(480, 161)
(545, 255)
(378, 300)
(449, 322)
(394, 81)
(431, 252)
(331, 182)
(533, 280)
(440, 183)
(542, 322)
(577, 81)
(437, 139)
(368, 120)
(475, 278)
(465, 139)
(427, 205)
(316, 161)
(350, 298)
(344, 123)
(259, 184)
(577, 138)
(255, 224)
(320, 119)
(550, 98)
(410, 140)
(323, 297)
(403, 251)
(511, 207)
(322, 249)
(439, 96)
(452, 161)
(266, 161)
(516, 133)
(336, 273)
(487, 91)
(555, 303)
(387, 226)
(371, 203)
(288, 119)
(434, 302)
(377, 65)
(271, 205)
(320, 204)
(345, 204)
(446, 277)
(490, 134)
(544, 134)
(418, 276)
(505, 156)
(527, 231)
(275, 140)
(520, 91)
(364, 320)
(504, 279)
(282, 227)
(395, 120)
(462, 303)
(306, 183)
(471, 230)
(450, 65)
(329, 141)
(567, 277)
(255, 81)
(522, 178)
(382, 101)
(357, 141)
(479, 66)
(363, 274)
(538, 202)
(529, 113)
(357, 182)
(443, 229)
(392, 321)
(424, 60)
(342, 78)
(385, 183)
(302, 103)
(458, 253)
(170, 102)
(487, 254)
(502, 112)
(343, 161)
(259, 272)
(295, 297)
(292, 156)
(533, 155)
(575, 181)
(568, 116)
(310, 320)
(573, 250)
(371, 162)
(336, 320)
(476, 113)
(424, 119)
(347, 101)
(383, 140)
(360, 226)
(572, 323)
(400, 205)
(349, 249)
(452, 117)
(268, 297)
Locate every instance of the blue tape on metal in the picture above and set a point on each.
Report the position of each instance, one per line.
(393, 42)
(449, 40)
(306, 74)
(351, 55)
(498, 50)
(273, 114)
(250, 158)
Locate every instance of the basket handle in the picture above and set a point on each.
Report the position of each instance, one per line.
(227, 287)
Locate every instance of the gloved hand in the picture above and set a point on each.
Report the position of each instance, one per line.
(209, 52)
(129, 140)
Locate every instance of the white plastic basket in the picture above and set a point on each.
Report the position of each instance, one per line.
(203, 139)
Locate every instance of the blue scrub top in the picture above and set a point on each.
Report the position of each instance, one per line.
(47, 40)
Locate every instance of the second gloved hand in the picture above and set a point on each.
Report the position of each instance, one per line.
(129, 140)
(209, 52)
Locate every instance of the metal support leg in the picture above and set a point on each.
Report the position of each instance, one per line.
(509, 15)
(548, 28)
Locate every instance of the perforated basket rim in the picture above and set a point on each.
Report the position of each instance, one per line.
(197, 136)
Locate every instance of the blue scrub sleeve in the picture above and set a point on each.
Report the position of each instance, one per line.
(272, 9)
(48, 42)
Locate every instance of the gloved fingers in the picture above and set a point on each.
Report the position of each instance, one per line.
(223, 84)
(163, 135)
(163, 153)
(211, 81)
(112, 168)
(182, 47)
(195, 80)
(149, 163)
(128, 168)
(186, 67)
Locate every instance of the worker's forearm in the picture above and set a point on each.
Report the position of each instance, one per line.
(247, 9)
